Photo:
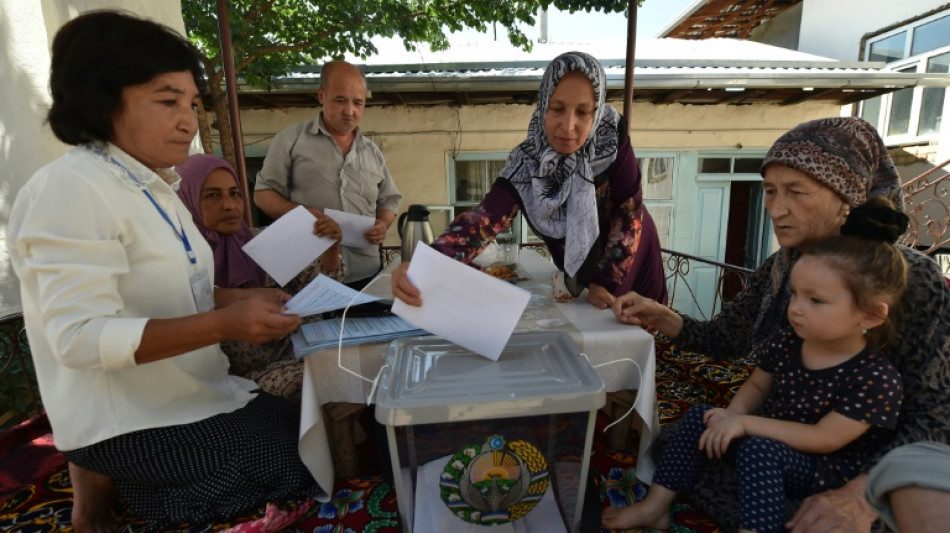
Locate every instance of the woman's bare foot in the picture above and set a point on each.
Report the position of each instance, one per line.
(640, 514)
(93, 498)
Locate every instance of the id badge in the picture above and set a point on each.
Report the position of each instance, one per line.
(202, 290)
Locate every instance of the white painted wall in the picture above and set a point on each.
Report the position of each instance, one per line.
(782, 30)
(27, 28)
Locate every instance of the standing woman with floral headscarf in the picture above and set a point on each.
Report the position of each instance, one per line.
(577, 181)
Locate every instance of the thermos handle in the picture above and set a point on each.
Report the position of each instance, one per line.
(399, 222)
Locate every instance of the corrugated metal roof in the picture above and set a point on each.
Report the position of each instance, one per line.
(666, 70)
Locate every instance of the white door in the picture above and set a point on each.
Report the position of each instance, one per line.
(709, 242)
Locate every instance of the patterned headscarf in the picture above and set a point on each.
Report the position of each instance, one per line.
(232, 267)
(557, 190)
(845, 154)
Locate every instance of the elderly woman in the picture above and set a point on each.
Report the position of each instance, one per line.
(123, 319)
(210, 191)
(577, 182)
(812, 176)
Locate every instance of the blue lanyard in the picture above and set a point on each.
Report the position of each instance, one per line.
(180, 233)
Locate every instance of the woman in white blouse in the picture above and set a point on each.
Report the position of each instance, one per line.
(123, 319)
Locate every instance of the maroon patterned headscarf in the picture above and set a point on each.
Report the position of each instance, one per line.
(232, 267)
(845, 154)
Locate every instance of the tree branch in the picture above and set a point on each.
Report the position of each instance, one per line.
(254, 14)
(357, 20)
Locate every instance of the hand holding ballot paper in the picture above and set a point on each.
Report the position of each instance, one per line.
(354, 227)
(452, 289)
(462, 304)
(288, 245)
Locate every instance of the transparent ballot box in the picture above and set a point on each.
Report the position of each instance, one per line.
(477, 443)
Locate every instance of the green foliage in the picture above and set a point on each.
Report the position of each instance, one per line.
(273, 37)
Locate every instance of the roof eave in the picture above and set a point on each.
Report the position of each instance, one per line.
(686, 80)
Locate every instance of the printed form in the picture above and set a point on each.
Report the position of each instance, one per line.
(324, 294)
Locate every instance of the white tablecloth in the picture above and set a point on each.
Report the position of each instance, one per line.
(597, 333)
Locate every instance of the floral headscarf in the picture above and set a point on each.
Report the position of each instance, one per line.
(557, 190)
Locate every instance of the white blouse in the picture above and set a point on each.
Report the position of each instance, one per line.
(96, 260)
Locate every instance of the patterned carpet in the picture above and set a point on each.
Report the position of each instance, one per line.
(366, 504)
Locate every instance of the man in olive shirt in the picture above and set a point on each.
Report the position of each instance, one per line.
(326, 163)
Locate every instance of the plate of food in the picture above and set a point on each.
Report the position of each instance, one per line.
(506, 272)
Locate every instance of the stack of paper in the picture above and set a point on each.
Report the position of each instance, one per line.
(324, 294)
(325, 334)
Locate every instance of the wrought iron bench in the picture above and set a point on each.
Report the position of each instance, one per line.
(19, 398)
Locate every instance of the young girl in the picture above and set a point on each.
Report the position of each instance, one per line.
(823, 398)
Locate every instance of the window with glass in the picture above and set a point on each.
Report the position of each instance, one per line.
(471, 175)
(889, 49)
(931, 107)
(914, 114)
(730, 165)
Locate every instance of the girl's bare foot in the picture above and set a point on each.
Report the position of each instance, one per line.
(93, 498)
(640, 514)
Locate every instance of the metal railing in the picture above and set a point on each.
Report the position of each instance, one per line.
(926, 203)
(18, 395)
(730, 281)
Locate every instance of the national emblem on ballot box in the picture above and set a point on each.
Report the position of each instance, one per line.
(476, 443)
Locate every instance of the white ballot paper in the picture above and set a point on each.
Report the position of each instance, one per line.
(288, 245)
(353, 227)
(459, 303)
(325, 294)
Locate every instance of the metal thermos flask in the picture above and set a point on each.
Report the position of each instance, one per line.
(413, 226)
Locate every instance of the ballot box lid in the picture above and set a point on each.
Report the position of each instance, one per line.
(431, 380)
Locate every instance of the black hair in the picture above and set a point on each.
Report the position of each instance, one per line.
(870, 264)
(99, 53)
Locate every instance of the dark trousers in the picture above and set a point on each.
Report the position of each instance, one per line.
(769, 471)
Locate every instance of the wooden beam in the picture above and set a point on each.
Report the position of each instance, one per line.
(671, 96)
(808, 95)
(857, 96)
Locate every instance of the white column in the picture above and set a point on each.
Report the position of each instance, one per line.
(27, 28)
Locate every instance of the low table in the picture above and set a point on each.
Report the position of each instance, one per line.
(611, 347)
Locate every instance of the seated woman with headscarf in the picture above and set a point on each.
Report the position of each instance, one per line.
(210, 190)
(577, 182)
(813, 176)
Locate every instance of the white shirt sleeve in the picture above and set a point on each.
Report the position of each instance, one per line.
(72, 251)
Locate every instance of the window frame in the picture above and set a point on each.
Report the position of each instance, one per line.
(919, 63)
(521, 232)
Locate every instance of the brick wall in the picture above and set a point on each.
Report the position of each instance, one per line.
(908, 155)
